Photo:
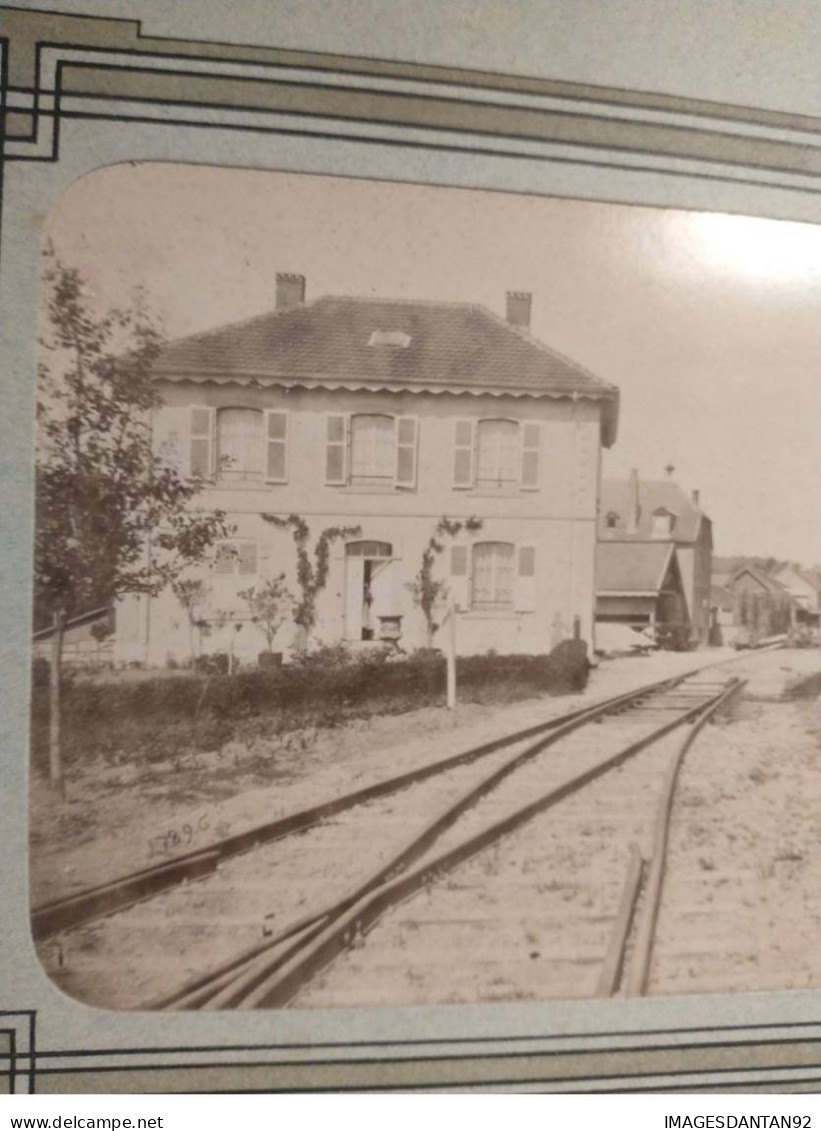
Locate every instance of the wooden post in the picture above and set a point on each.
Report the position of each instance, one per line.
(450, 654)
(55, 759)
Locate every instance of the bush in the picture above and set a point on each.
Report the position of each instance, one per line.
(802, 636)
(40, 668)
(569, 666)
(153, 717)
(215, 663)
(674, 636)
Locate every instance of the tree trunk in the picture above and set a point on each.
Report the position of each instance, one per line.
(55, 757)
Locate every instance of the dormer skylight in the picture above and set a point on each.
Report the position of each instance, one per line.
(395, 339)
(663, 522)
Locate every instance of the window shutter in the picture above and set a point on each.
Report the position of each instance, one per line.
(276, 447)
(247, 558)
(407, 432)
(202, 448)
(525, 588)
(224, 561)
(459, 578)
(463, 454)
(336, 450)
(531, 443)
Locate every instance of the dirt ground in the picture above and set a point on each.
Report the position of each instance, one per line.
(740, 912)
(123, 817)
(741, 908)
(118, 818)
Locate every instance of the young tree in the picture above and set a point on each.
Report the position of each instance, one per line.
(426, 590)
(311, 576)
(268, 606)
(192, 593)
(113, 516)
(100, 632)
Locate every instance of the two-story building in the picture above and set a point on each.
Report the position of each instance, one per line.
(386, 415)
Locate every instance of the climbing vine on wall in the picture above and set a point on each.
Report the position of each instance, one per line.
(427, 590)
(311, 576)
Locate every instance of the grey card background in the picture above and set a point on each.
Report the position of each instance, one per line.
(754, 53)
(761, 53)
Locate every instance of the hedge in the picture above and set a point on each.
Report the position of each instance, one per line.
(324, 689)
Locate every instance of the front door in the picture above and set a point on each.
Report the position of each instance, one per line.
(367, 588)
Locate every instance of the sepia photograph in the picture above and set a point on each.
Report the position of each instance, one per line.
(426, 596)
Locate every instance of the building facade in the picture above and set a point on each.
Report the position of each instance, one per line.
(803, 588)
(383, 417)
(751, 605)
(659, 512)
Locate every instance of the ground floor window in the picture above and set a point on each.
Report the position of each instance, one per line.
(493, 575)
(237, 557)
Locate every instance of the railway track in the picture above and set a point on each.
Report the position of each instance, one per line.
(480, 797)
(124, 891)
(476, 846)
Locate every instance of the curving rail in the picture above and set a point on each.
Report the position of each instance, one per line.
(270, 974)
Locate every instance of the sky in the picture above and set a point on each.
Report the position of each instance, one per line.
(709, 324)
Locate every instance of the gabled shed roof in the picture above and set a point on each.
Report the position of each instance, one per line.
(636, 568)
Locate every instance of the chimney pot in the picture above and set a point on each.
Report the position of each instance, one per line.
(696, 496)
(518, 308)
(290, 290)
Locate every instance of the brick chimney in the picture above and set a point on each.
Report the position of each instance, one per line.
(290, 290)
(633, 502)
(518, 308)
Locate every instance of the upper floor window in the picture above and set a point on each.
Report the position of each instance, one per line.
(371, 449)
(663, 522)
(497, 449)
(611, 520)
(239, 444)
(497, 453)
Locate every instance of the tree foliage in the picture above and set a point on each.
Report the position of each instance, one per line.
(268, 606)
(113, 515)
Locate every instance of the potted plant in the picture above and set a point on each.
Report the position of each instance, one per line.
(268, 606)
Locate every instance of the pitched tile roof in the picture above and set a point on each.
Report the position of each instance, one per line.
(456, 347)
(770, 584)
(654, 494)
(632, 567)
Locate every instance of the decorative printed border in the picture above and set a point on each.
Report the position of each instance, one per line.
(58, 68)
(17, 1052)
(786, 1058)
(54, 72)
